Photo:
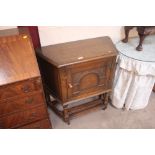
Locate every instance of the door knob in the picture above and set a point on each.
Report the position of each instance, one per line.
(70, 85)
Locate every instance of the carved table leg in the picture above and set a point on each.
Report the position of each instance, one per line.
(66, 114)
(101, 97)
(141, 37)
(127, 30)
(142, 34)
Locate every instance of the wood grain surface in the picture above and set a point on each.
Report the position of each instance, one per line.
(78, 51)
(17, 59)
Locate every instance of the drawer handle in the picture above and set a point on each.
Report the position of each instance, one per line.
(70, 85)
(29, 101)
(26, 89)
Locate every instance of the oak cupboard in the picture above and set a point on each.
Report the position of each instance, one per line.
(75, 71)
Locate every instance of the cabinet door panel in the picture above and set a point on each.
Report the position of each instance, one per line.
(88, 78)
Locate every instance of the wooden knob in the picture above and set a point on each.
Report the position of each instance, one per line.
(70, 85)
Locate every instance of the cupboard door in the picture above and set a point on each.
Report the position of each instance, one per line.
(89, 78)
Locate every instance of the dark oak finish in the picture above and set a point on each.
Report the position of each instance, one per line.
(78, 70)
(143, 31)
(19, 104)
(23, 117)
(22, 101)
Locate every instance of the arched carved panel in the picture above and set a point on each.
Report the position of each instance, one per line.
(88, 81)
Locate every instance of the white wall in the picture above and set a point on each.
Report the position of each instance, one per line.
(59, 34)
(7, 27)
(54, 35)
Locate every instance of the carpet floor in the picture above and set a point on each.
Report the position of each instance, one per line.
(111, 118)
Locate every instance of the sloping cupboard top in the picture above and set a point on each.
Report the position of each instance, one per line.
(78, 51)
(17, 57)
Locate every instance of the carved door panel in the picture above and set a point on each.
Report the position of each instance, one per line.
(88, 78)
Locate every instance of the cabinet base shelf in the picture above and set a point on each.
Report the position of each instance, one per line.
(67, 113)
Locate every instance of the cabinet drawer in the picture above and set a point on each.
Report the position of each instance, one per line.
(89, 78)
(43, 124)
(20, 88)
(21, 104)
(22, 118)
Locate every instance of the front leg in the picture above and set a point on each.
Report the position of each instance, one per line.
(127, 30)
(106, 100)
(141, 39)
(141, 33)
(66, 114)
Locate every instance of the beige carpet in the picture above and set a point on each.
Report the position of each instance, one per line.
(111, 118)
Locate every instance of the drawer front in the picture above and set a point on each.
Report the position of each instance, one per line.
(21, 104)
(86, 79)
(43, 124)
(20, 88)
(22, 118)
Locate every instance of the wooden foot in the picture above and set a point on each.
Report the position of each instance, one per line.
(106, 99)
(102, 98)
(66, 114)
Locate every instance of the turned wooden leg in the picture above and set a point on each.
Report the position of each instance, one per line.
(127, 30)
(141, 39)
(101, 97)
(66, 114)
(106, 99)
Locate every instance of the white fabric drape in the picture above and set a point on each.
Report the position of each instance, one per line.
(133, 84)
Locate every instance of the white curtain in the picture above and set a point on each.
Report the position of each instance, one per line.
(133, 84)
